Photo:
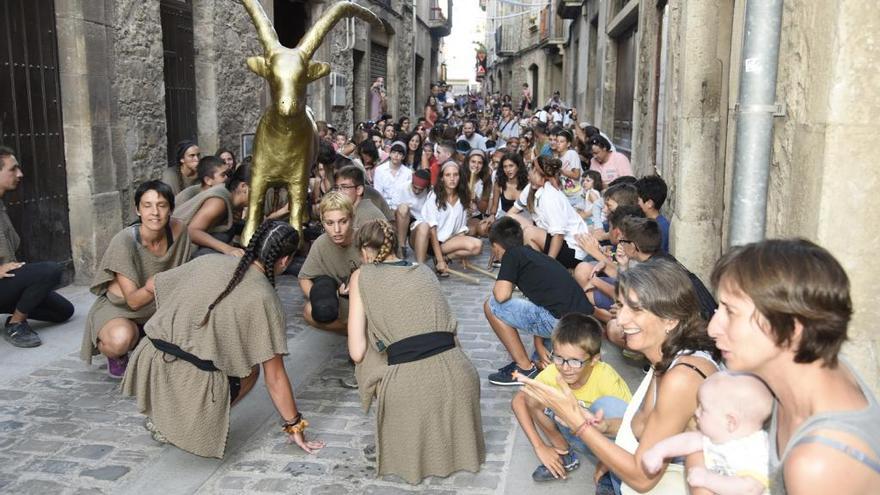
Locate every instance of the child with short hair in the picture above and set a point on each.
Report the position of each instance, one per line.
(576, 362)
(731, 416)
(652, 194)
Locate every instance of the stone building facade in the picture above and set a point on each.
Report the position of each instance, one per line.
(662, 78)
(134, 77)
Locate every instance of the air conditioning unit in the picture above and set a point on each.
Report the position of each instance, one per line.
(338, 85)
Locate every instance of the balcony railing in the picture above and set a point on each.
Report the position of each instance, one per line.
(569, 9)
(439, 23)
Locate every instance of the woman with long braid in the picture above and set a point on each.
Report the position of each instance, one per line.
(217, 319)
(428, 417)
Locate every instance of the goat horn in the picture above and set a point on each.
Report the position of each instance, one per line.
(265, 31)
(313, 39)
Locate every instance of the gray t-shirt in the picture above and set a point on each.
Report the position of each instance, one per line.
(863, 424)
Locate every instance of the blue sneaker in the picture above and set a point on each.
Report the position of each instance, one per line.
(504, 376)
(570, 462)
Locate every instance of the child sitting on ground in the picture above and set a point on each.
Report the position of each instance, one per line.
(731, 415)
(576, 362)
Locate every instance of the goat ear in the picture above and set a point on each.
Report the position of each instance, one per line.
(317, 70)
(259, 66)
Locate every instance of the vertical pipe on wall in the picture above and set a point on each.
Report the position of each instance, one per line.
(754, 121)
(413, 107)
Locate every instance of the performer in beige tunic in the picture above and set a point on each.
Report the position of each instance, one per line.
(428, 417)
(323, 277)
(212, 171)
(210, 216)
(217, 318)
(123, 281)
(182, 173)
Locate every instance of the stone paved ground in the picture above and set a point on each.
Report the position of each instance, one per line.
(64, 428)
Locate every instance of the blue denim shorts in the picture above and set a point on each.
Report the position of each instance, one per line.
(524, 315)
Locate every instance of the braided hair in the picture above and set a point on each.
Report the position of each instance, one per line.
(378, 235)
(272, 240)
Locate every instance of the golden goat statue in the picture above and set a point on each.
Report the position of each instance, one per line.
(286, 142)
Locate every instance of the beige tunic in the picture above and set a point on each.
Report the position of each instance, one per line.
(9, 239)
(187, 211)
(187, 194)
(428, 415)
(127, 257)
(378, 201)
(326, 258)
(188, 405)
(172, 176)
(365, 212)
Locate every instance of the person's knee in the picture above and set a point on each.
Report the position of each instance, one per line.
(119, 339)
(402, 213)
(475, 247)
(611, 407)
(324, 300)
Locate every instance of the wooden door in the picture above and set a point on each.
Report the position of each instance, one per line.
(30, 124)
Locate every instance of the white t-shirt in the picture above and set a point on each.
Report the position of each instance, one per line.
(507, 130)
(747, 456)
(449, 221)
(477, 141)
(554, 214)
(404, 195)
(386, 181)
(571, 187)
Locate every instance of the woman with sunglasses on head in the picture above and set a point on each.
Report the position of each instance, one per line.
(218, 318)
(556, 222)
(428, 421)
(660, 318)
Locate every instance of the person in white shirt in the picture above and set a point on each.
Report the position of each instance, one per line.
(410, 199)
(469, 134)
(391, 173)
(556, 222)
(444, 225)
(508, 126)
(571, 171)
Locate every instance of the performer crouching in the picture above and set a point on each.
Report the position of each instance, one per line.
(217, 318)
(323, 277)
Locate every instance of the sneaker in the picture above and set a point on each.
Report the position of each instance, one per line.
(504, 376)
(116, 366)
(570, 462)
(349, 382)
(21, 335)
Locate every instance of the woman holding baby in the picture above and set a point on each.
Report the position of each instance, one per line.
(660, 318)
(783, 315)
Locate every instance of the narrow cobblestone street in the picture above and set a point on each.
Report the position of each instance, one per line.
(64, 427)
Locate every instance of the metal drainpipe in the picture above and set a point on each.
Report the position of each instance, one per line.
(412, 105)
(754, 121)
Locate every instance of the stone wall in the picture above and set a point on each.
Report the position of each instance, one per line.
(229, 96)
(138, 95)
(823, 177)
(400, 80)
(112, 97)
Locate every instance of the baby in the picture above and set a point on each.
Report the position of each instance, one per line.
(731, 415)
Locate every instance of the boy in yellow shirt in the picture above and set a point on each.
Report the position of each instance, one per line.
(577, 340)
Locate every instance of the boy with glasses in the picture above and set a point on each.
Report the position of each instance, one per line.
(576, 364)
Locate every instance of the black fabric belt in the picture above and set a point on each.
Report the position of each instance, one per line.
(174, 350)
(419, 347)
